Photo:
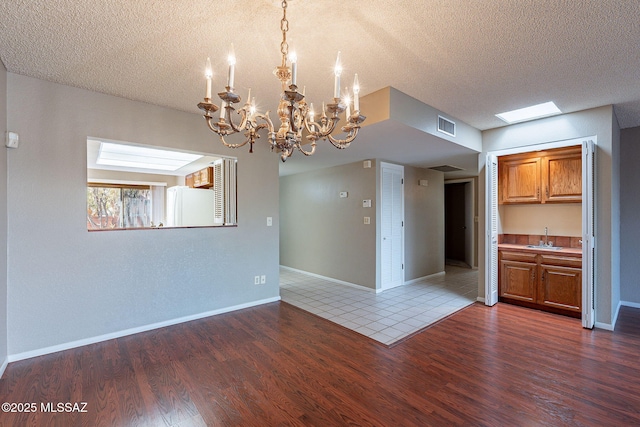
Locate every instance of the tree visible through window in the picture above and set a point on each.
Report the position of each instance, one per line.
(118, 206)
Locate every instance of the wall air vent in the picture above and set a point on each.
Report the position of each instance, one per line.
(446, 126)
(446, 168)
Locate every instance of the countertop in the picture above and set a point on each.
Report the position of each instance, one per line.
(524, 248)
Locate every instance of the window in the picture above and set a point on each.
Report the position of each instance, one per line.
(133, 186)
(118, 206)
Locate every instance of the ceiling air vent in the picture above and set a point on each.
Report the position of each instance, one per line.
(446, 126)
(446, 168)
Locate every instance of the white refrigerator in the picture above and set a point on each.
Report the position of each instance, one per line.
(190, 207)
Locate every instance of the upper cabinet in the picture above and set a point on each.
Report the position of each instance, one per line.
(552, 176)
(520, 180)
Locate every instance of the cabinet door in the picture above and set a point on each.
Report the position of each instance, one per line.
(520, 181)
(562, 177)
(518, 280)
(560, 287)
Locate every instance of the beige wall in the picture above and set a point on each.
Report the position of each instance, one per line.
(3, 219)
(68, 286)
(561, 219)
(324, 234)
(424, 223)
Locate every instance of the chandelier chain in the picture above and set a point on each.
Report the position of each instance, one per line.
(284, 26)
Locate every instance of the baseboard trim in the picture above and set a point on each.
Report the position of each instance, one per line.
(132, 331)
(429, 276)
(481, 299)
(4, 366)
(630, 304)
(331, 279)
(605, 326)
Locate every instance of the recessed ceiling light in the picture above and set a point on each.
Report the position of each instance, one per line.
(142, 157)
(529, 113)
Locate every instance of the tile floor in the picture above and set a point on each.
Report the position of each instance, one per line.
(388, 316)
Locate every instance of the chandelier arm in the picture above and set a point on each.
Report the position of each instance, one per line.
(243, 120)
(344, 143)
(226, 144)
(326, 131)
(212, 127)
(307, 153)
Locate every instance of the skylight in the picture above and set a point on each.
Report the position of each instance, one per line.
(141, 157)
(529, 113)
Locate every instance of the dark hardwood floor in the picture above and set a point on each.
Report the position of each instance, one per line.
(276, 365)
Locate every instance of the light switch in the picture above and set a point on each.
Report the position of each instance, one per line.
(13, 140)
(269, 221)
(366, 203)
(343, 194)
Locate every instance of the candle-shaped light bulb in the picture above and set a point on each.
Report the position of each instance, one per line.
(222, 109)
(347, 100)
(208, 73)
(324, 114)
(232, 67)
(249, 96)
(312, 113)
(294, 67)
(336, 83)
(356, 93)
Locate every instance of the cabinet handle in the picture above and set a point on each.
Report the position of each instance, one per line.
(542, 276)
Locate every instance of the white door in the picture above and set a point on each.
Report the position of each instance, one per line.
(491, 211)
(391, 225)
(588, 235)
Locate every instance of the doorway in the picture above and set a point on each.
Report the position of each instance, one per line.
(459, 222)
(588, 220)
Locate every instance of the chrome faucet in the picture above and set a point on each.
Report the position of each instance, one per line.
(546, 236)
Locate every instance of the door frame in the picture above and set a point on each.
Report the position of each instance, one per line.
(588, 250)
(471, 244)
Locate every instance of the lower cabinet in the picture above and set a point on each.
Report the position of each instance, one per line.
(547, 282)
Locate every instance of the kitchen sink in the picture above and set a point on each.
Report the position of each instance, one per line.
(550, 248)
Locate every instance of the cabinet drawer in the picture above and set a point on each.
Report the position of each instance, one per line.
(563, 261)
(518, 256)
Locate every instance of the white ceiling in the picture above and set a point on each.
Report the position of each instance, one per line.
(470, 59)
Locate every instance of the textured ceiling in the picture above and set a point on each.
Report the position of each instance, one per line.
(470, 59)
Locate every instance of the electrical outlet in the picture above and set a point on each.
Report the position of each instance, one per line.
(367, 220)
(256, 280)
(263, 279)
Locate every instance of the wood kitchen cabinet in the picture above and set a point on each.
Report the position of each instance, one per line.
(560, 282)
(562, 177)
(538, 280)
(200, 179)
(552, 176)
(518, 274)
(520, 180)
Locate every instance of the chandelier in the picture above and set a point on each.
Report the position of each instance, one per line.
(296, 116)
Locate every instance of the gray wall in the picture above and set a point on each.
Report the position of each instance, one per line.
(629, 219)
(66, 284)
(602, 123)
(3, 217)
(324, 234)
(424, 223)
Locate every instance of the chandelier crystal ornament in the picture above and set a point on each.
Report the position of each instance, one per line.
(297, 118)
